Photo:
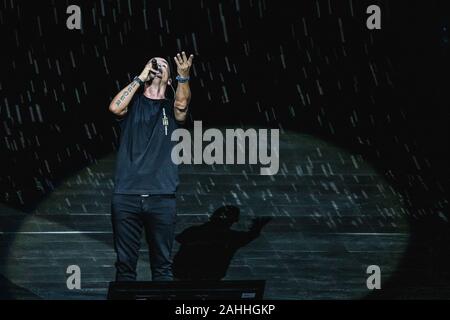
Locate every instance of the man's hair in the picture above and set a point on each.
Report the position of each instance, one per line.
(170, 66)
(170, 77)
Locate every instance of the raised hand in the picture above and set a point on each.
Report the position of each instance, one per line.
(183, 64)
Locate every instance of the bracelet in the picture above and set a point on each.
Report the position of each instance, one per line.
(138, 80)
(180, 79)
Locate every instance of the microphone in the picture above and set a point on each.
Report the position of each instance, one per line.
(155, 67)
(154, 64)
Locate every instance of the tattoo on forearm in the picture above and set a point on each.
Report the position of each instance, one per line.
(126, 93)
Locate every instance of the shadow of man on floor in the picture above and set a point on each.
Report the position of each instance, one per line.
(207, 250)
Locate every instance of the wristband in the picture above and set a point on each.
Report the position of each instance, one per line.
(138, 80)
(180, 79)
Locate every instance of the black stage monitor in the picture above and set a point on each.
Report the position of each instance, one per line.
(187, 290)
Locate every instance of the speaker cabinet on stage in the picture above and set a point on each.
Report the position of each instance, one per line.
(187, 290)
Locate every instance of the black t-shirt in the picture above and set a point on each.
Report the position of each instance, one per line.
(144, 164)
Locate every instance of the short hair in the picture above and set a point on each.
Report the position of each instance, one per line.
(170, 66)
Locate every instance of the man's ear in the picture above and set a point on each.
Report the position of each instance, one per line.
(169, 82)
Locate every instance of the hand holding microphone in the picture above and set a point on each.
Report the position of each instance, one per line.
(150, 71)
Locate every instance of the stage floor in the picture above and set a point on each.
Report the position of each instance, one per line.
(333, 216)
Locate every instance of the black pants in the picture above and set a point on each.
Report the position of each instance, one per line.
(157, 216)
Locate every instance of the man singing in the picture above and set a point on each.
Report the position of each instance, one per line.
(146, 179)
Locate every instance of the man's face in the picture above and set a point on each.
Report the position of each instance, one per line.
(163, 70)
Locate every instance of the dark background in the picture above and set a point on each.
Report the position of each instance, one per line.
(378, 93)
